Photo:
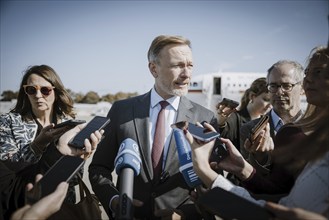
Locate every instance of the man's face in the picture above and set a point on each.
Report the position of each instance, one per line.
(285, 101)
(173, 71)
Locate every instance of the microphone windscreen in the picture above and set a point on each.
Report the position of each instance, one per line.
(185, 159)
(128, 157)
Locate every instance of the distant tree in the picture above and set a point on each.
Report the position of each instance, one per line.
(8, 95)
(78, 98)
(108, 98)
(91, 98)
(132, 94)
(122, 95)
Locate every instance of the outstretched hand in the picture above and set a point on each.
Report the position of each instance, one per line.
(262, 143)
(223, 113)
(90, 144)
(45, 207)
(47, 135)
(234, 162)
(201, 152)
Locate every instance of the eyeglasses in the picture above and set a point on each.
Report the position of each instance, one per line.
(286, 87)
(32, 90)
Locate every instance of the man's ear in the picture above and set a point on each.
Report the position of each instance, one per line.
(153, 70)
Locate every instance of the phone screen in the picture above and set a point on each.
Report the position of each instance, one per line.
(97, 123)
(201, 133)
(62, 171)
(258, 127)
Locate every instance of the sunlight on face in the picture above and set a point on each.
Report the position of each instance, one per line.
(283, 101)
(316, 82)
(173, 71)
(39, 102)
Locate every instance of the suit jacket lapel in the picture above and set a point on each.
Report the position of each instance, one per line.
(184, 113)
(141, 118)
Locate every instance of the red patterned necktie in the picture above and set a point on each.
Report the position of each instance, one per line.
(158, 141)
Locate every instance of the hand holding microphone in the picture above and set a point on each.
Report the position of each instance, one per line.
(186, 165)
(127, 165)
(185, 159)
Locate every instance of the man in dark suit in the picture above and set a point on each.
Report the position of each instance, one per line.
(171, 64)
(284, 82)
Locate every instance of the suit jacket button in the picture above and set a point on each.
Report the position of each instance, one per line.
(153, 194)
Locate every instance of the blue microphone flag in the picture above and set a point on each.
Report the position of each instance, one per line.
(185, 159)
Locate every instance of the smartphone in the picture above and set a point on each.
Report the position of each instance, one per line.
(203, 134)
(62, 171)
(222, 203)
(258, 127)
(70, 123)
(97, 123)
(200, 133)
(229, 103)
(219, 152)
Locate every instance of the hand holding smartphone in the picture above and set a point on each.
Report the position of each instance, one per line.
(200, 133)
(69, 123)
(229, 103)
(224, 109)
(62, 171)
(97, 123)
(258, 127)
(219, 151)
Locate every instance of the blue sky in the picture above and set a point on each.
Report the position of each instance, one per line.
(101, 46)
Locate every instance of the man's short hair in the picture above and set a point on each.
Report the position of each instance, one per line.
(163, 40)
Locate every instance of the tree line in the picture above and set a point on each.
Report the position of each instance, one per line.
(90, 97)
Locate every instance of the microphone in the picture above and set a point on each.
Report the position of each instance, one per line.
(186, 166)
(127, 165)
(185, 159)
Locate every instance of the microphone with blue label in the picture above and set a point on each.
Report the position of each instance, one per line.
(185, 159)
(127, 166)
(186, 166)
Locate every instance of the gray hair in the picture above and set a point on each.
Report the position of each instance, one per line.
(298, 69)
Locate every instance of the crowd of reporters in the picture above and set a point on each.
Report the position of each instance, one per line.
(288, 158)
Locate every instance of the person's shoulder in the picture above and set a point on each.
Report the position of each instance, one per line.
(234, 116)
(290, 129)
(196, 105)
(125, 104)
(10, 116)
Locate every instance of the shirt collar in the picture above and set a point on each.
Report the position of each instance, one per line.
(156, 98)
(275, 118)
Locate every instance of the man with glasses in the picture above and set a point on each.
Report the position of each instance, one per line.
(284, 82)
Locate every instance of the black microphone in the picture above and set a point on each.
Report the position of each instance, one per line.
(127, 166)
